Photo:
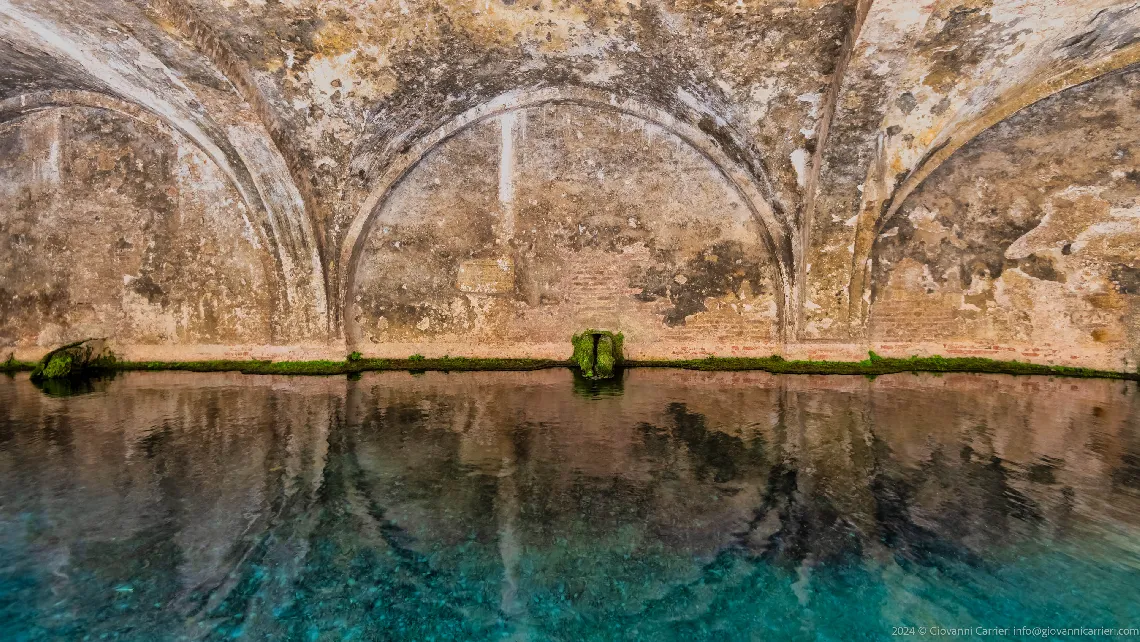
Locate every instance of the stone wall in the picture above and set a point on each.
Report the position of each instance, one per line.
(1028, 238)
(114, 228)
(813, 178)
(541, 222)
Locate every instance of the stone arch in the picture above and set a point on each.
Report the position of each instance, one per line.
(287, 257)
(1026, 239)
(872, 220)
(120, 227)
(778, 238)
(210, 44)
(14, 108)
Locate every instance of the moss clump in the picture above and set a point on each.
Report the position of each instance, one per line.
(74, 368)
(59, 366)
(606, 359)
(354, 356)
(583, 355)
(597, 353)
(77, 360)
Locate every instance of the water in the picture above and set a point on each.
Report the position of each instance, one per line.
(529, 506)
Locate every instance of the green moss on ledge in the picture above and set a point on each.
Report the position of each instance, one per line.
(415, 363)
(874, 365)
(11, 364)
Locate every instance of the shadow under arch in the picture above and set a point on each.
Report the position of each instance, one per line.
(778, 235)
(240, 178)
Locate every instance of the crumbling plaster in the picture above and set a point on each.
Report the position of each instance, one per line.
(638, 230)
(1028, 235)
(824, 119)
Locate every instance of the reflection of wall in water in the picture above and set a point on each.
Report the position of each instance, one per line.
(240, 471)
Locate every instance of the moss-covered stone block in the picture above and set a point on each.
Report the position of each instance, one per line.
(605, 360)
(583, 355)
(597, 353)
(74, 360)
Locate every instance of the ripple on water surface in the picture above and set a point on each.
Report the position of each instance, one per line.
(670, 505)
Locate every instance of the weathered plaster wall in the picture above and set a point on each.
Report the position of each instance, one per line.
(1028, 237)
(532, 226)
(783, 134)
(750, 74)
(925, 79)
(113, 57)
(113, 228)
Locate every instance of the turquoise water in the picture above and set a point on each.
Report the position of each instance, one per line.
(670, 505)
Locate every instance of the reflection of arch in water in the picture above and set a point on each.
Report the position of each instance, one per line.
(777, 235)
